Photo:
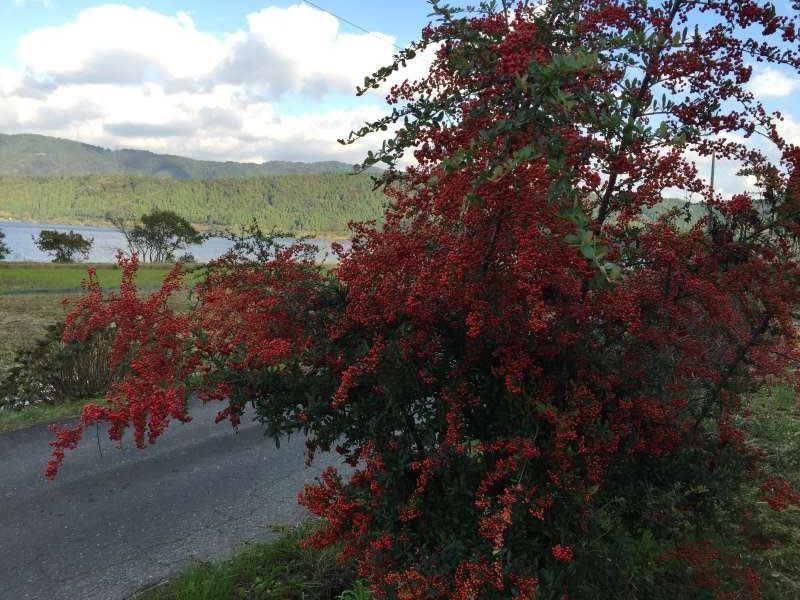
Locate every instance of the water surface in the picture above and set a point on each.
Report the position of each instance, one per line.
(20, 237)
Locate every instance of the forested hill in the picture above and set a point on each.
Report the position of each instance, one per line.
(321, 203)
(42, 156)
(50, 179)
(688, 213)
(54, 180)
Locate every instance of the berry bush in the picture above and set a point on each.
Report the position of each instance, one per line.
(542, 393)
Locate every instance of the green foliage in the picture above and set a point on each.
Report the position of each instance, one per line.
(51, 372)
(159, 235)
(632, 563)
(622, 557)
(635, 562)
(4, 251)
(358, 592)
(293, 203)
(63, 246)
(42, 156)
(277, 570)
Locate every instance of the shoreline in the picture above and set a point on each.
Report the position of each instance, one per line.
(327, 236)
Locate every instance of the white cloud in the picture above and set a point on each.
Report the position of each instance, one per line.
(10, 80)
(322, 57)
(789, 128)
(132, 77)
(110, 42)
(771, 83)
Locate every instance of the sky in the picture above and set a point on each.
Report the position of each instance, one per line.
(228, 80)
(233, 80)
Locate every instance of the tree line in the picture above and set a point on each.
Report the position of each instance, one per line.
(293, 203)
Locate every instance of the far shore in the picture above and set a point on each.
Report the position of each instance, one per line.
(328, 236)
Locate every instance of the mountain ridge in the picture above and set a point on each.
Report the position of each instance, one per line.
(34, 155)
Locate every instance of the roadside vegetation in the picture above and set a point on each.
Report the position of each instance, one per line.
(11, 420)
(41, 380)
(32, 295)
(545, 394)
(279, 569)
(541, 394)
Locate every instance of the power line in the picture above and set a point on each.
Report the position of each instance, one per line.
(367, 31)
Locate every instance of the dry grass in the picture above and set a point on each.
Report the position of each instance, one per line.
(24, 318)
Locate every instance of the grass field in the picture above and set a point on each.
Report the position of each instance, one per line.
(42, 277)
(24, 318)
(31, 296)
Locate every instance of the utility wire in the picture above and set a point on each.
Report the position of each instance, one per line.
(367, 31)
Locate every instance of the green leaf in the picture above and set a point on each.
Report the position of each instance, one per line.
(679, 140)
(613, 271)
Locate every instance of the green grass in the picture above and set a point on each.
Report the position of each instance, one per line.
(36, 277)
(774, 426)
(13, 419)
(274, 570)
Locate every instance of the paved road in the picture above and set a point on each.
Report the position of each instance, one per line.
(113, 523)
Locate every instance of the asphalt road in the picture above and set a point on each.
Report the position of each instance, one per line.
(115, 522)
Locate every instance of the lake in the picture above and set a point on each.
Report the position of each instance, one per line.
(20, 240)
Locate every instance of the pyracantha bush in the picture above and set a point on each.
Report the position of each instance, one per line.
(542, 394)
